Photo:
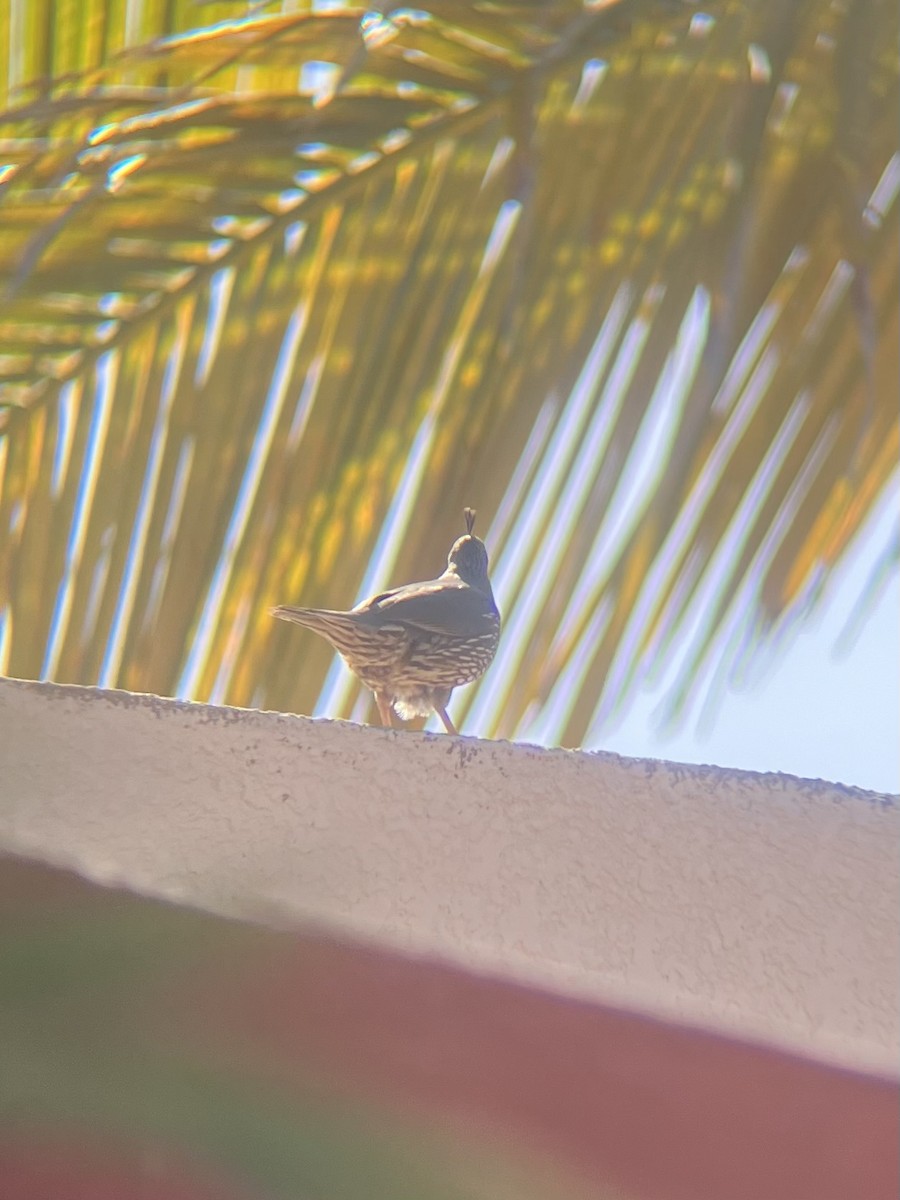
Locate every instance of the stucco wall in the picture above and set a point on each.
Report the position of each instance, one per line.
(762, 904)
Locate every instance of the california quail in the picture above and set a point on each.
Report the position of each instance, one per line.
(413, 645)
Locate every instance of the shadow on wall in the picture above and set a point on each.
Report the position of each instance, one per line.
(158, 1053)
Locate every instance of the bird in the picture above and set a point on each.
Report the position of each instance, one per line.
(413, 645)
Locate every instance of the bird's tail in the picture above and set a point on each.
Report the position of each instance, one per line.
(336, 627)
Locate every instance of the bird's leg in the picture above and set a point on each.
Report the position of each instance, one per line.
(441, 711)
(383, 700)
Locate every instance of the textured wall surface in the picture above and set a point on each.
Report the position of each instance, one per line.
(762, 904)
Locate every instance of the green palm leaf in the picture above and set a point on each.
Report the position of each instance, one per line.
(285, 291)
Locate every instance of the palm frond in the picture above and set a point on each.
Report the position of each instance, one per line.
(623, 277)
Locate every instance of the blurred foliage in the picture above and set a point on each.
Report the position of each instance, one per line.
(285, 289)
(135, 1062)
(151, 1052)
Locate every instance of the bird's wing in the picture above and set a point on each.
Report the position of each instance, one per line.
(439, 606)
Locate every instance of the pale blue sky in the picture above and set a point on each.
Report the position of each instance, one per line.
(814, 713)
